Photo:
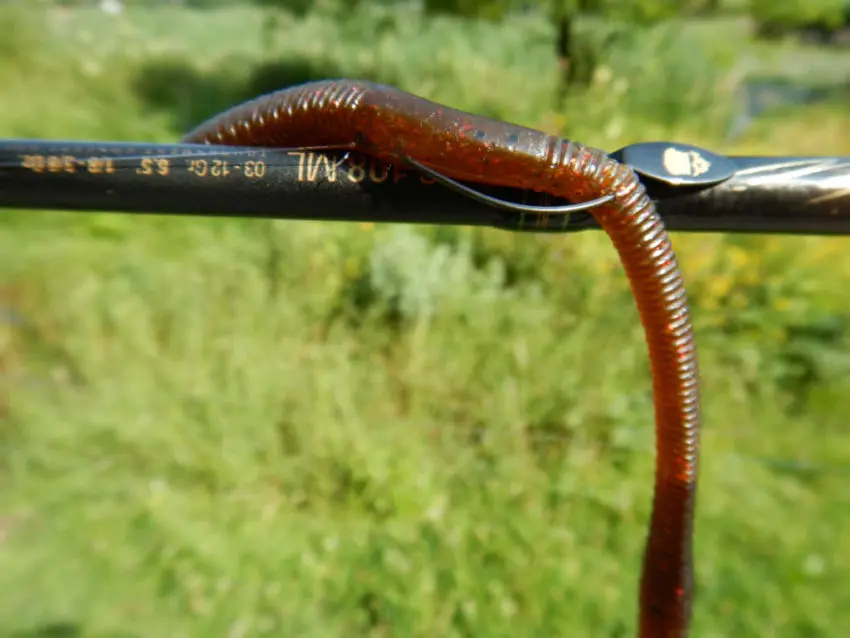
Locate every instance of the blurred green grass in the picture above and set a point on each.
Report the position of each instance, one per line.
(235, 427)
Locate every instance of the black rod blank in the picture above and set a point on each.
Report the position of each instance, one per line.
(734, 194)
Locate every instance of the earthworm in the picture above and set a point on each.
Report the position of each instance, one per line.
(394, 126)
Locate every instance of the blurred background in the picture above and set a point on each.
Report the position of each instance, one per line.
(234, 428)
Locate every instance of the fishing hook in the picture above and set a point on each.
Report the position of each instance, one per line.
(565, 209)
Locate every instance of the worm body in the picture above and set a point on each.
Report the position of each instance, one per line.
(392, 125)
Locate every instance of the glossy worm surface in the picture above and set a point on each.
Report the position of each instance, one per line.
(392, 125)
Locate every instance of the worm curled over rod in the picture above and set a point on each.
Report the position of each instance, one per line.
(395, 126)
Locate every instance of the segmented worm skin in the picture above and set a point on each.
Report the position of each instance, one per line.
(389, 124)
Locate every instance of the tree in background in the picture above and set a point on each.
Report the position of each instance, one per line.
(577, 54)
(578, 51)
(774, 18)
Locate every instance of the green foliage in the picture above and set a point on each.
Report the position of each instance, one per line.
(695, 88)
(23, 33)
(303, 7)
(414, 278)
(482, 9)
(643, 11)
(633, 12)
(790, 13)
(207, 4)
(242, 427)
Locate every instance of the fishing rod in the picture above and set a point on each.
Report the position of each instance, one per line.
(695, 190)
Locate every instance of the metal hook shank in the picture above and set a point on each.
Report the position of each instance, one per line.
(505, 205)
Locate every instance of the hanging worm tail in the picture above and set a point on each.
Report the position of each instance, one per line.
(645, 249)
(646, 252)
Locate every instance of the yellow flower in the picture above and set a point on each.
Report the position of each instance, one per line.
(738, 257)
(351, 267)
(738, 300)
(782, 304)
(718, 287)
